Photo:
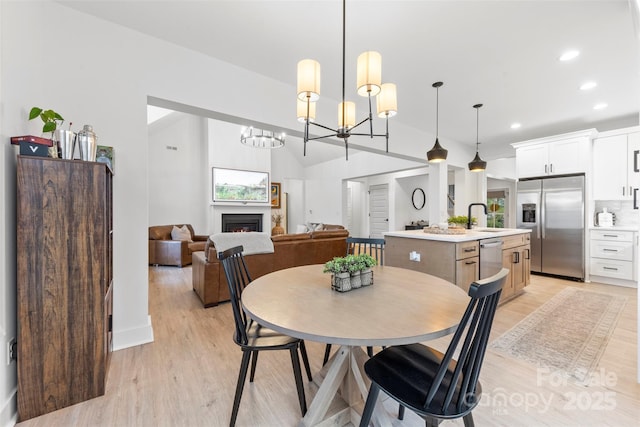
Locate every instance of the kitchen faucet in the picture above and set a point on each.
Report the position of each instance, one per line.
(469, 213)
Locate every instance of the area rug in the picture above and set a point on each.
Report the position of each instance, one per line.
(567, 334)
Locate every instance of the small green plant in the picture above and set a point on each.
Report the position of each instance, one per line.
(354, 263)
(349, 264)
(336, 266)
(367, 260)
(50, 118)
(461, 220)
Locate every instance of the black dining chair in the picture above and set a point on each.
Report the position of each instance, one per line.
(365, 245)
(357, 246)
(253, 337)
(430, 383)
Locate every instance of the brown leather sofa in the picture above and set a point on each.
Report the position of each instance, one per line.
(290, 250)
(165, 251)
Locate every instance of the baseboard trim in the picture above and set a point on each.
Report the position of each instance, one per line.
(9, 410)
(133, 337)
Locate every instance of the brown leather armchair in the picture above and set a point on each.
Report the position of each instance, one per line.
(165, 251)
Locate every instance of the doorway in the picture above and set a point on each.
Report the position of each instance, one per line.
(498, 208)
(378, 210)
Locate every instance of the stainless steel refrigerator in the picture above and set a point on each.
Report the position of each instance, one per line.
(553, 209)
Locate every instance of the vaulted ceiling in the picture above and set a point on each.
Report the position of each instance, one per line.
(504, 54)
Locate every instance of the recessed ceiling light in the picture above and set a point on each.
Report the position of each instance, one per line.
(569, 55)
(588, 85)
(515, 125)
(600, 106)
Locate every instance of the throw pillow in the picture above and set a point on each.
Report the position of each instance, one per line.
(182, 233)
(301, 228)
(315, 226)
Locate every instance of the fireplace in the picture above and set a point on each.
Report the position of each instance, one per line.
(234, 223)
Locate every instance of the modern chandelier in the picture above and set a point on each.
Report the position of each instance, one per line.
(477, 164)
(369, 84)
(262, 138)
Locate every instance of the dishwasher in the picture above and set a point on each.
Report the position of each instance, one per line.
(490, 257)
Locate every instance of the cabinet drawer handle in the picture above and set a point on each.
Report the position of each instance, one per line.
(545, 169)
(609, 250)
(528, 256)
(615, 236)
(516, 257)
(610, 268)
(470, 249)
(635, 160)
(470, 262)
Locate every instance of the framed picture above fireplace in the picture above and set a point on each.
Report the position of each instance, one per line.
(242, 186)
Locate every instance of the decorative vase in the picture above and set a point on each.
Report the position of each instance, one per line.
(356, 281)
(366, 277)
(277, 229)
(341, 282)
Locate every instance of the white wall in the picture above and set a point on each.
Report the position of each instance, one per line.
(8, 373)
(226, 151)
(404, 209)
(324, 182)
(177, 172)
(286, 170)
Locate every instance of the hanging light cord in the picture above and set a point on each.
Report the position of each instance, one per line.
(437, 108)
(344, 44)
(477, 128)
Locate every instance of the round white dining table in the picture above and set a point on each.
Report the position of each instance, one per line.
(401, 307)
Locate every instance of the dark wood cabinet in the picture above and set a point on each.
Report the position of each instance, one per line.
(64, 282)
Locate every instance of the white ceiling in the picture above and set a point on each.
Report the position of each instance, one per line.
(503, 54)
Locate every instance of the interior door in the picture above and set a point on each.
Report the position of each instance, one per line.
(378, 210)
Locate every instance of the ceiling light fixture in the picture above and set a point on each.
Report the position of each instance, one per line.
(369, 84)
(588, 85)
(477, 164)
(600, 106)
(516, 126)
(301, 110)
(437, 153)
(262, 138)
(569, 55)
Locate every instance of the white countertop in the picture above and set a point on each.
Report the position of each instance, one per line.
(473, 234)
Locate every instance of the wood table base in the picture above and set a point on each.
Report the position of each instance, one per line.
(342, 393)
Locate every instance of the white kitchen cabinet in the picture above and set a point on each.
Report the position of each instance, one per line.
(612, 255)
(558, 155)
(616, 174)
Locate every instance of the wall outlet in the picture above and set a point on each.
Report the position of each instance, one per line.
(12, 351)
(414, 256)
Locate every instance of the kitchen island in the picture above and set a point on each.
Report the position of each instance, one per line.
(464, 258)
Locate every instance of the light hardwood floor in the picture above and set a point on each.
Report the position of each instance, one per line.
(187, 376)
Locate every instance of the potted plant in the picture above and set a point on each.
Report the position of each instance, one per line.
(63, 140)
(276, 217)
(366, 274)
(461, 220)
(355, 265)
(340, 277)
(50, 118)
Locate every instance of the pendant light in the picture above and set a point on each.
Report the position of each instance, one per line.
(437, 153)
(477, 164)
(369, 84)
